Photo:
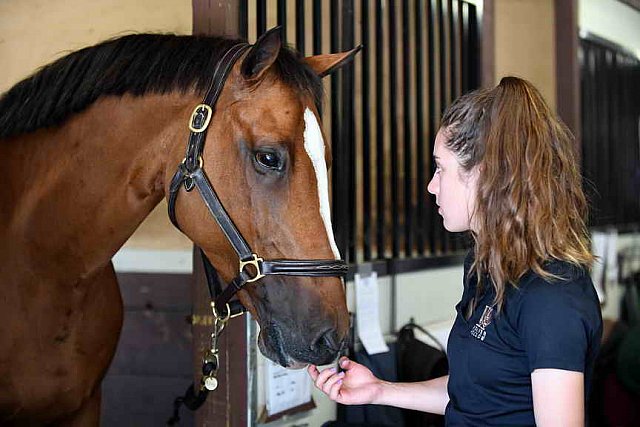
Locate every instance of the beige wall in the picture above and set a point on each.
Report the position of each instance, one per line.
(525, 43)
(36, 32)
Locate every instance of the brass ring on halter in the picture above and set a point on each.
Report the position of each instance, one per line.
(255, 262)
(216, 316)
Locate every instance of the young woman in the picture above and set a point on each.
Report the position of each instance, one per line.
(528, 326)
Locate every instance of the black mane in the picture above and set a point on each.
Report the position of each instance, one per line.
(135, 64)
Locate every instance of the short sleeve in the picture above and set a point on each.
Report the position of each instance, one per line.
(557, 323)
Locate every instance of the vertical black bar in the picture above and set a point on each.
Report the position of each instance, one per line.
(244, 19)
(592, 118)
(588, 102)
(348, 124)
(614, 96)
(339, 172)
(366, 132)
(421, 137)
(317, 27)
(585, 100)
(452, 7)
(474, 47)
(454, 40)
(598, 128)
(380, 128)
(443, 235)
(393, 124)
(300, 26)
(261, 15)
(409, 209)
(281, 7)
(431, 217)
(634, 101)
(627, 143)
(606, 124)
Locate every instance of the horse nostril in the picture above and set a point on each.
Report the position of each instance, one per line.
(328, 340)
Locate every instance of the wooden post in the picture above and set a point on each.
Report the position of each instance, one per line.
(488, 45)
(567, 67)
(217, 18)
(227, 405)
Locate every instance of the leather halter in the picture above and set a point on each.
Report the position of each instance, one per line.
(190, 174)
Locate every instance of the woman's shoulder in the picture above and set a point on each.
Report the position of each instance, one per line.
(568, 287)
(562, 277)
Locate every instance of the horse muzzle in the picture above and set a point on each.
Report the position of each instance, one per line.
(294, 351)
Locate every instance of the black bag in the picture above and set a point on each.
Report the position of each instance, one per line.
(418, 361)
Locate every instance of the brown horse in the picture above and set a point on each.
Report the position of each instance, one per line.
(89, 145)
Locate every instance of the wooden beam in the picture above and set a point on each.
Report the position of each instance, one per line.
(487, 45)
(567, 67)
(218, 18)
(227, 405)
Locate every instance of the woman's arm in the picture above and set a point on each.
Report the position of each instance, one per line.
(356, 385)
(558, 397)
(426, 396)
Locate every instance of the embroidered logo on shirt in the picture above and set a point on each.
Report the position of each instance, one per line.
(479, 330)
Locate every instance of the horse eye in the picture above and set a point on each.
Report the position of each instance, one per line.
(269, 160)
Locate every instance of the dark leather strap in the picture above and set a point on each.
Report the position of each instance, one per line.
(196, 139)
(221, 216)
(306, 267)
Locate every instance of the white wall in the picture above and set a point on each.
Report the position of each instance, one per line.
(612, 20)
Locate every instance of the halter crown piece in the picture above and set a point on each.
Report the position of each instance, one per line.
(190, 174)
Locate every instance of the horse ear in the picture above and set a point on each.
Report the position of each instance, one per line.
(262, 54)
(325, 64)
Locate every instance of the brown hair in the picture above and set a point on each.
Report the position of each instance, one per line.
(530, 206)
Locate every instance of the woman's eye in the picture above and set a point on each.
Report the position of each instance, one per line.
(269, 160)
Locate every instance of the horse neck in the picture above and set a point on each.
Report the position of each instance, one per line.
(92, 181)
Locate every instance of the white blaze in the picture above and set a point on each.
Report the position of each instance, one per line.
(314, 146)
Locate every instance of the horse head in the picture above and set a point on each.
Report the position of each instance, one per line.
(267, 159)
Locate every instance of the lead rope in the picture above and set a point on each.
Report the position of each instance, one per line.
(210, 367)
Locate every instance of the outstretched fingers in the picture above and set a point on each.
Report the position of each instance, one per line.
(313, 372)
(329, 381)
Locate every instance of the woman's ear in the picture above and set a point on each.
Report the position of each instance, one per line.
(325, 64)
(262, 55)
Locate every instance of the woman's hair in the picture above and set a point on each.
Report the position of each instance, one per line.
(530, 207)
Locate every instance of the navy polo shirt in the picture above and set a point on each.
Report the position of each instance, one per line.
(542, 324)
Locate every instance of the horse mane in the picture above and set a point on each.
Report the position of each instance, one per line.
(135, 64)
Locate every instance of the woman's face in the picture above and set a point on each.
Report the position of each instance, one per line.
(455, 189)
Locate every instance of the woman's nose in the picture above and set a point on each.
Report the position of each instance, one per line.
(431, 188)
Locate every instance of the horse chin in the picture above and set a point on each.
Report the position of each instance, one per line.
(279, 356)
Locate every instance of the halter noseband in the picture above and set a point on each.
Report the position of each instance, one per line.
(190, 173)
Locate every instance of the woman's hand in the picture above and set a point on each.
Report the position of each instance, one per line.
(355, 386)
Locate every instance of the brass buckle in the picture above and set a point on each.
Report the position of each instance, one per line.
(206, 120)
(255, 262)
(200, 162)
